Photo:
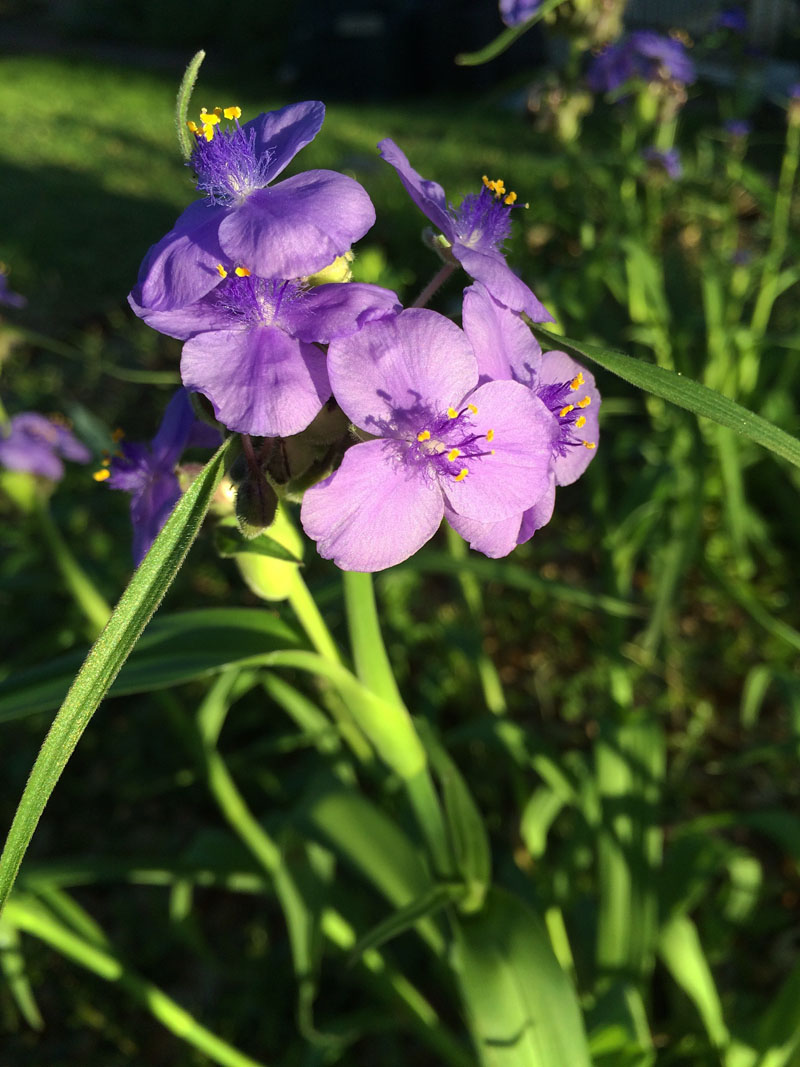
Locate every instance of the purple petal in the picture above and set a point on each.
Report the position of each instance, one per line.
(491, 268)
(427, 195)
(373, 512)
(182, 267)
(540, 514)
(339, 309)
(512, 479)
(184, 322)
(260, 381)
(501, 341)
(395, 364)
(173, 433)
(150, 509)
(282, 133)
(298, 226)
(494, 539)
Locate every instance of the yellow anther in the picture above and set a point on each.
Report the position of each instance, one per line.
(210, 117)
(424, 435)
(452, 413)
(117, 435)
(585, 402)
(453, 454)
(218, 112)
(589, 444)
(576, 382)
(580, 422)
(510, 199)
(105, 461)
(232, 112)
(221, 271)
(208, 131)
(473, 409)
(490, 435)
(242, 272)
(462, 474)
(193, 127)
(566, 410)
(101, 475)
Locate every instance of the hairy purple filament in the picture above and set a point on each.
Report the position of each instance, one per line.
(227, 166)
(564, 399)
(257, 301)
(483, 218)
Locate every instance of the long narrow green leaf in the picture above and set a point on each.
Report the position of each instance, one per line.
(135, 608)
(522, 1008)
(683, 392)
(682, 953)
(174, 649)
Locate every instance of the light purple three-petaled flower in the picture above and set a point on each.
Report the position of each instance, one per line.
(37, 445)
(440, 442)
(287, 230)
(506, 349)
(251, 346)
(476, 232)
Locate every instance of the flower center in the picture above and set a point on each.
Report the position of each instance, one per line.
(484, 217)
(562, 398)
(446, 444)
(225, 161)
(252, 300)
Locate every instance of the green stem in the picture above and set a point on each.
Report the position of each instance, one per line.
(36, 921)
(490, 680)
(780, 231)
(436, 282)
(310, 618)
(366, 641)
(89, 600)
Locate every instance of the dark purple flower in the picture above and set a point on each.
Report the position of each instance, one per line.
(36, 444)
(440, 442)
(251, 346)
(515, 12)
(286, 230)
(666, 159)
(643, 54)
(476, 231)
(731, 18)
(506, 349)
(738, 127)
(147, 472)
(8, 296)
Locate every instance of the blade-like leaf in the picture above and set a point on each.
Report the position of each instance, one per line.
(229, 542)
(436, 898)
(134, 610)
(174, 649)
(522, 1008)
(683, 392)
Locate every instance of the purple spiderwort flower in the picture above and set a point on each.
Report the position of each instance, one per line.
(287, 230)
(147, 472)
(643, 54)
(37, 445)
(251, 345)
(738, 128)
(476, 231)
(515, 12)
(440, 441)
(668, 160)
(8, 296)
(506, 349)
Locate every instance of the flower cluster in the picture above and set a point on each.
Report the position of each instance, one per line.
(470, 424)
(648, 56)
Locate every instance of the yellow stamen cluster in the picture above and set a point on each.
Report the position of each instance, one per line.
(580, 422)
(210, 119)
(577, 381)
(102, 474)
(498, 188)
(105, 462)
(424, 435)
(453, 454)
(566, 410)
(240, 272)
(462, 474)
(585, 402)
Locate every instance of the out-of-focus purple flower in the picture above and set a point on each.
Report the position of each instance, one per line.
(738, 127)
(731, 18)
(8, 296)
(668, 160)
(251, 346)
(643, 54)
(515, 12)
(147, 472)
(476, 231)
(440, 442)
(506, 349)
(286, 230)
(36, 444)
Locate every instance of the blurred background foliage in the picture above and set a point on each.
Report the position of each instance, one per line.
(633, 751)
